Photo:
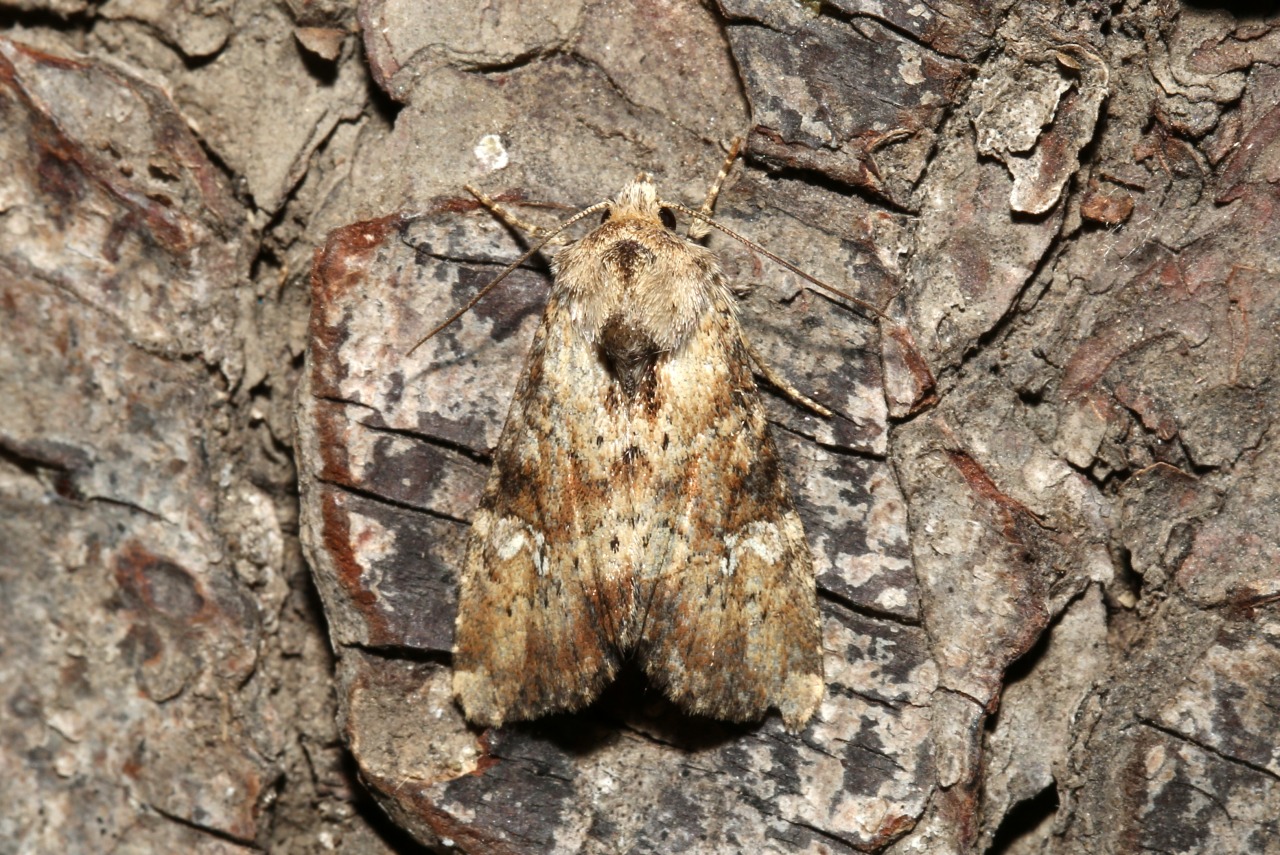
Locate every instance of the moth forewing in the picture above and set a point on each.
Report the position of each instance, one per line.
(636, 506)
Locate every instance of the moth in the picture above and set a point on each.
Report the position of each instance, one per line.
(637, 508)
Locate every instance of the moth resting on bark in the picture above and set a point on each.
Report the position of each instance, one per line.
(636, 507)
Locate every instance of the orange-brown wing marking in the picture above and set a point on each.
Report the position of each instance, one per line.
(541, 594)
(727, 604)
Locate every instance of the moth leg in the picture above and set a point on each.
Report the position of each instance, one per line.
(697, 228)
(534, 231)
(783, 385)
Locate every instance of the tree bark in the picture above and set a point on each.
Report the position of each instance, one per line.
(1045, 516)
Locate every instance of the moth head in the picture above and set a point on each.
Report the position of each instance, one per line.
(639, 200)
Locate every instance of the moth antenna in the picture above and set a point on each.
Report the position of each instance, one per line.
(697, 228)
(779, 382)
(697, 215)
(502, 213)
(507, 272)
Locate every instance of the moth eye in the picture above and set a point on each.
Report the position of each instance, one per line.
(604, 218)
(668, 218)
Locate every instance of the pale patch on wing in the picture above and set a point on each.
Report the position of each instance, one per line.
(730, 627)
(761, 538)
(513, 536)
(533, 624)
(510, 543)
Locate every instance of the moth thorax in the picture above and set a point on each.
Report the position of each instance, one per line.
(625, 258)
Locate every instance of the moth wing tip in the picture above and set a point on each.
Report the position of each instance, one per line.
(801, 698)
(475, 693)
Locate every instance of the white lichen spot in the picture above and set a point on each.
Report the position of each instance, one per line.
(910, 69)
(491, 153)
(892, 599)
(958, 537)
(375, 542)
(68, 723)
(1155, 761)
(17, 224)
(65, 764)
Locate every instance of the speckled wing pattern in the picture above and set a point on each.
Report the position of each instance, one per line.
(636, 507)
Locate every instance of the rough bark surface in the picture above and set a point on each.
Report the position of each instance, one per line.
(1045, 517)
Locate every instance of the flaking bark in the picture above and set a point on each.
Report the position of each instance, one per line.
(1043, 520)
